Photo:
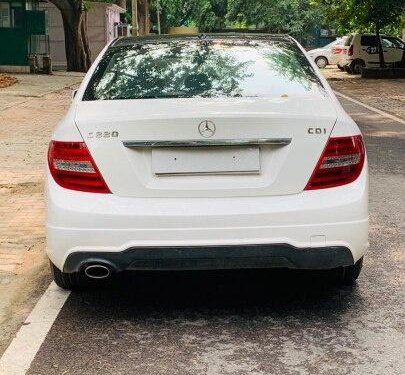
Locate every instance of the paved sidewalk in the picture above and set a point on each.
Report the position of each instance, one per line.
(30, 86)
(29, 111)
(385, 94)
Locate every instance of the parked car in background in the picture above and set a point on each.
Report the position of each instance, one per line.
(339, 53)
(362, 51)
(326, 55)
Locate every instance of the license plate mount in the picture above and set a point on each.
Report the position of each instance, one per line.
(205, 160)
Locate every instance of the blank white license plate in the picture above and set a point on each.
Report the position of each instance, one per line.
(206, 160)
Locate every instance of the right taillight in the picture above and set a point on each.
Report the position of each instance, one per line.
(350, 51)
(341, 163)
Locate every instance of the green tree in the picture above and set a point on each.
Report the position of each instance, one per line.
(206, 14)
(295, 17)
(362, 15)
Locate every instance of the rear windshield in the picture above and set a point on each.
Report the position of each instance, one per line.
(202, 68)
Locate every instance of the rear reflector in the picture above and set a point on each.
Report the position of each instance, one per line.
(341, 163)
(72, 167)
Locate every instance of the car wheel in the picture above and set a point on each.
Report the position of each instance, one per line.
(321, 61)
(348, 275)
(357, 66)
(348, 69)
(69, 281)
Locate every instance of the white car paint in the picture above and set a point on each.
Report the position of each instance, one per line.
(145, 210)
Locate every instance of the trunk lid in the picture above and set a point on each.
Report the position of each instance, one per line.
(284, 138)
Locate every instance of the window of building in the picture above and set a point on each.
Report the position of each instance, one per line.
(11, 14)
(5, 19)
(16, 15)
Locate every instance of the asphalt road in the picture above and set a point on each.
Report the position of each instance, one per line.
(275, 322)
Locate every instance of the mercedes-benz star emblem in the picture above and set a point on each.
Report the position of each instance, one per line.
(207, 128)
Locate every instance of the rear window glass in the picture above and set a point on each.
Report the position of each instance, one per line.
(391, 42)
(202, 68)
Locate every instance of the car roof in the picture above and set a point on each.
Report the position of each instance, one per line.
(129, 41)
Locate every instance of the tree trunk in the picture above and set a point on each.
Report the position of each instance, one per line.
(380, 47)
(75, 29)
(85, 41)
(143, 17)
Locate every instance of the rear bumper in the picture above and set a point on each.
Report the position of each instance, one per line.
(312, 229)
(214, 257)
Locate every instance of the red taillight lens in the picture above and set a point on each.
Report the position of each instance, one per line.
(338, 50)
(341, 163)
(72, 167)
(350, 51)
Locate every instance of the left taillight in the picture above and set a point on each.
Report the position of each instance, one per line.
(337, 50)
(341, 163)
(72, 167)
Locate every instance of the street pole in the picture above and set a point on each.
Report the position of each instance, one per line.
(135, 26)
(158, 16)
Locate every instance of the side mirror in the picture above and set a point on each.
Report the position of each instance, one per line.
(72, 96)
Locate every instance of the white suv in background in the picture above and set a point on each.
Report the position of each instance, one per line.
(329, 54)
(363, 51)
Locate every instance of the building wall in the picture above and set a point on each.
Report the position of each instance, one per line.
(101, 20)
(14, 35)
(100, 28)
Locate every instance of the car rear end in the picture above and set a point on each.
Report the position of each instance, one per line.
(339, 53)
(348, 57)
(206, 153)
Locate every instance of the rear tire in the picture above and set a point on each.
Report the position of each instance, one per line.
(68, 281)
(356, 66)
(346, 276)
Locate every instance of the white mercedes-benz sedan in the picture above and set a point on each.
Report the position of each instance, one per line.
(205, 152)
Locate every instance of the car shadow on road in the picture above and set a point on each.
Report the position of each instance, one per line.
(222, 292)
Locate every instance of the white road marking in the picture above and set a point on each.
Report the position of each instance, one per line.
(369, 107)
(17, 359)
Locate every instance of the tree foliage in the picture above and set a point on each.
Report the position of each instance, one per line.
(296, 17)
(362, 15)
(365, 15)
(206, 14)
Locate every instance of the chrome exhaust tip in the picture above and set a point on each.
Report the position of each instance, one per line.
(97, 271)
